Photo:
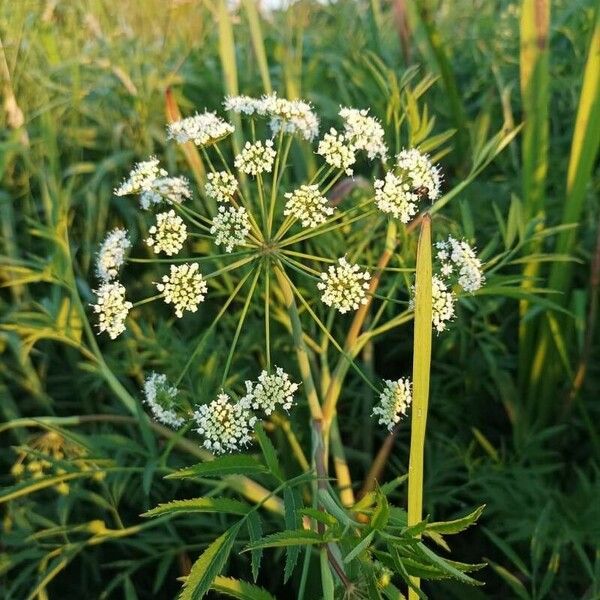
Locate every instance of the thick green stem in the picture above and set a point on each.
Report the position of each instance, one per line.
(421, 368)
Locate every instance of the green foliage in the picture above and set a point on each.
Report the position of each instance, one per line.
(88, 87)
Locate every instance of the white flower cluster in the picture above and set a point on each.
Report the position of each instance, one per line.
(308, 205)
(270, 391)
(344, 286)
(393, 196)
(184, 287)
(153, 185)
(141, 177)
(256, 158)
(453, 253)
(161, 398)
(291, 116)
(112, 308)
(168, 235)
(442, 303)
(337, 151)
(423, 177)
(226, 426)
(221, 186)
(230, 227)
(202, 129)
(400, 193)
(111, 255)
(173, 190)
(364, 132)
(393, 402)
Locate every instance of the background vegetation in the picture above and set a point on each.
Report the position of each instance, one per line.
(514, 410)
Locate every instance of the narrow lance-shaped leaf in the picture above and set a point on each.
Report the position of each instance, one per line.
(202, 505)
(223, 465)
(208, 566)
(421, 368)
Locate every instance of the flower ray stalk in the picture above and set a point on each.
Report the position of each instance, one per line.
(421, 373)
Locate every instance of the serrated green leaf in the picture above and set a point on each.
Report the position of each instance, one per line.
(208, 566)
(446, 566)
(381, 514)
(298, 537)
(320, 516)
(238, 464)
(202, 505)
(360, 547)
(269, 452)
(292, 505)
(255, 533)
(242, 590)
(457, 525)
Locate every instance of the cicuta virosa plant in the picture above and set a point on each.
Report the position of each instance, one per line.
(331, 274)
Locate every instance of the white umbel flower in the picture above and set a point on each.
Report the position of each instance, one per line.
(337, 151)
(416, 168)
(291, 116)
(308, 205)
(230, 227)
(184, 288)
(112, 308)
(344, 286)
(112, 253)
(270, 391)
(256, 158)
(364, 132)
(393, 196)
(442, 304)
(459, 253)
(161, 398)
(225, 426)
(153, 185)
(203, 129)
(393, 402)
(141, 177)
(168, 235)
(221, 186)
(245, 105)
(172, 190)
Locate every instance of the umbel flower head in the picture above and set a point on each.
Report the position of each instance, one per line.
(161, 398)
(230, 227)
(168, 235)
(221, 186)
(364, 132)
(112, 308)
(184, 288)
(415, 168)
(153, 185)
(344, 286)
(337, 151)
(256, 158)
(308, 205)
(172, 190)
(225, 426)
(202, 129)
(289, 116)
(270, 391)
(393, 402)
(442, 303)
(393, 196)
(458, 257)
(112, 253)
(141, 177)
